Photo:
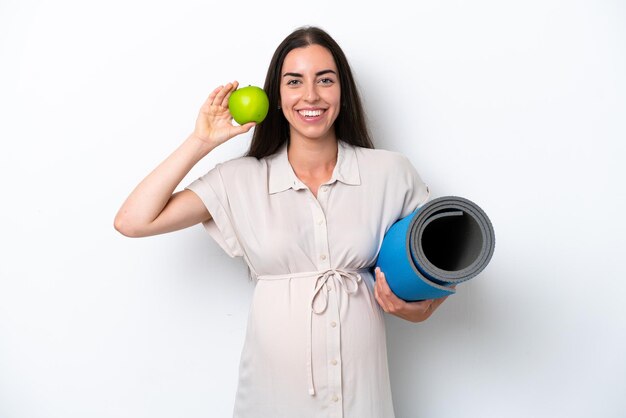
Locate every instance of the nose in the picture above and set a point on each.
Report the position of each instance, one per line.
(311, 94)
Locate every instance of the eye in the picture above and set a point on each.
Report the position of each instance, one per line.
(293, 82)
(326, 81)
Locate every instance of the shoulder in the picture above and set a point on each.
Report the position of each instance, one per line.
(391, 161)
(380, 153)
(234, 172)
(402, 185)
(391, 169)
(241, 165)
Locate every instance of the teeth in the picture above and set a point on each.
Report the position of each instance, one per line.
(310, 113)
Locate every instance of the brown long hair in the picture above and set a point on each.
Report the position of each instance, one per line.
(350, 125)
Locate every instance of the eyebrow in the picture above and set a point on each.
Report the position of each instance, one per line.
(317, 74)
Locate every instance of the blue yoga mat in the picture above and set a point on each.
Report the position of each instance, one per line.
(445, 242)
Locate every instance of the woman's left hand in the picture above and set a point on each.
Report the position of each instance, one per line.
(410, 311)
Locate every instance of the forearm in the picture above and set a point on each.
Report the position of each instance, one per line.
(152, 194)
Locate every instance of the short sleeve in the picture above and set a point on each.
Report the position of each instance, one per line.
(221, 227)
(416, 192)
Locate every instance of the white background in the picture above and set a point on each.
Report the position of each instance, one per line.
(518, 106)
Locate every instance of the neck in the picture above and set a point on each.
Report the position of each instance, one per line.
(313, 156)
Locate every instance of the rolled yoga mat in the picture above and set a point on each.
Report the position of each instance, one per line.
(445, 242)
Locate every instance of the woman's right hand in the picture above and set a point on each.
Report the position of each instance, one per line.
(214, 123)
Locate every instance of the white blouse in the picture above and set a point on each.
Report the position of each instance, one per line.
(315, 343)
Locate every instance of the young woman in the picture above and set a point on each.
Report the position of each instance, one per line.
(307, 209)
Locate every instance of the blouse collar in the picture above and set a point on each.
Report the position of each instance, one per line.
(282, 177)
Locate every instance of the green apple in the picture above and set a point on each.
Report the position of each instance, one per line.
(248, 104)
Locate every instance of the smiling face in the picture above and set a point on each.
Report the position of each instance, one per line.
(310, 94)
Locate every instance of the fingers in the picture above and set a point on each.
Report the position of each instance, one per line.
(229, 88)
(390, 303)
(377, 292)
(209, 101)
(379, 299)
(238, 130)
(219, 96)
(385, 296)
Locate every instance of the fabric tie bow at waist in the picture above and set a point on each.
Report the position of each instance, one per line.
(347, 280)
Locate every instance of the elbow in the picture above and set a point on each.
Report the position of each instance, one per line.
(125, 228)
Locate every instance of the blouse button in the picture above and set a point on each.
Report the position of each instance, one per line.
(324, 188)
(335, 398)
(323, 257)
